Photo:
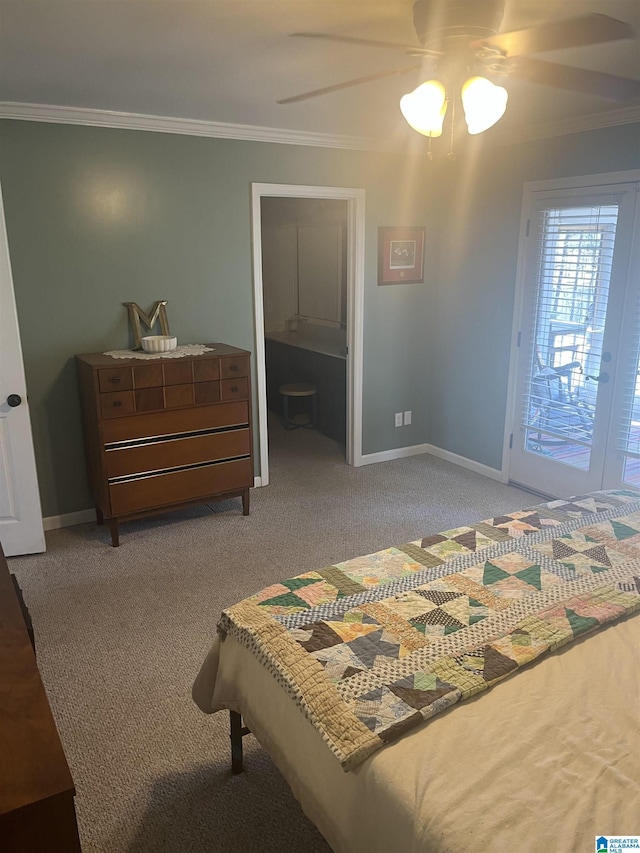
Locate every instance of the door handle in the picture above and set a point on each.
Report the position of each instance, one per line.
(14, 400)
(603, 377)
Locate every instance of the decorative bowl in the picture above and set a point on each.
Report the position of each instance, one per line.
(159, 343)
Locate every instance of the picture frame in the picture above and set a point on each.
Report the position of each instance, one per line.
(401, 255)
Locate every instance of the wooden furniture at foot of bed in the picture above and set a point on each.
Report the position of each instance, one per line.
(37, 812)
(236, 732)
(164, 433)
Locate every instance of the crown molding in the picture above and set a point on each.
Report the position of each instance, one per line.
(252, 133)
(183, 126)
(577, 124)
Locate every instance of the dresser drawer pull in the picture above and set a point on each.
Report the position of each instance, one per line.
(115, 380)
(163, 472)
(159, 439)
(116, 404)
(234, 388)
(233, 367)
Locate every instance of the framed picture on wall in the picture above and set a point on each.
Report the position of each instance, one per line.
(401, 255)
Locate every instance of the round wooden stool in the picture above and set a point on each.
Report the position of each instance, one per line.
(299, 389)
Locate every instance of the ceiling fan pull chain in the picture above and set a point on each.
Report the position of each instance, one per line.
(452, 154)
(429, 151)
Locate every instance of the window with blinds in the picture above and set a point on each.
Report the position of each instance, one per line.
(573, 260)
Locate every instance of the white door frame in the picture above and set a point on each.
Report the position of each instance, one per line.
(579, 182)
(355, 309)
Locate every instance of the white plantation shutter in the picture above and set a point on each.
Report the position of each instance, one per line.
(573, 259)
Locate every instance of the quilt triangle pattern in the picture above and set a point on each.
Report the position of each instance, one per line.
(379, 644)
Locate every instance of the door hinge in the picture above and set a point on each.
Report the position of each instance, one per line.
(511, 442)
(519, 339)
(528, 227)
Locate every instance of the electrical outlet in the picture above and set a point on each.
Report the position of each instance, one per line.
(407, 418)
(398, 418)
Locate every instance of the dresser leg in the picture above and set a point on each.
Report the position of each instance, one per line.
(245, 502)
(115, 537)
(99, 516)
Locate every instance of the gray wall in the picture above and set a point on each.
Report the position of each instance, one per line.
(480, 201)
(98, 216)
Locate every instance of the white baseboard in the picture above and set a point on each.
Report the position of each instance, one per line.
(395, 453)
(447, 455)
(84, 516)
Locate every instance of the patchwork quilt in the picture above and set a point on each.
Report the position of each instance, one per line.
(374, 646)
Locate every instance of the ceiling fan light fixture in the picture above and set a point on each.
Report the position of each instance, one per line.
(484, 104)
(424, 108)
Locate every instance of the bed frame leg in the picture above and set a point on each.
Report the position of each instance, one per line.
(236, 732)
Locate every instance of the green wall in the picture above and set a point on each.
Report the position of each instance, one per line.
(480, 199)
(97, 216)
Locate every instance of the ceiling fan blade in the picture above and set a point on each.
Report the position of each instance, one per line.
(336, 88)
(411, 50)
(555, 35)
(575, 79)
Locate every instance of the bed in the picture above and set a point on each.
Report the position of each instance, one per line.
(474, 689)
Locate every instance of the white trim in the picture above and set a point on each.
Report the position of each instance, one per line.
(257, 482)
(69, 519)
(576, 124)
(530, 188)
(355, 312)
(224, 130)
(440, 453)
(184, 126)
(580, 182)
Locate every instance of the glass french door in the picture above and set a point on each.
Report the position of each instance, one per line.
(576, 418)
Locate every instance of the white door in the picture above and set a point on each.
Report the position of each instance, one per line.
(21, 529)
(577, 340)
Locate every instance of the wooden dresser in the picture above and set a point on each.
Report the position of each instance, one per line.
(37, 811)
(162, 433)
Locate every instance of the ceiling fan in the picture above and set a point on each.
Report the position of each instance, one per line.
(461, 40)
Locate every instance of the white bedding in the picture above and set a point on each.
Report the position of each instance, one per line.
(545, 761)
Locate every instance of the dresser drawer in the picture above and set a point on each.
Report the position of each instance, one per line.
(234, 389)
(159, 490)
(176, 452)
(232, 367)
(206, 392)
(115, 379)
(206, 370)
(149, 399)
(178, 372)
(177, 421)
(177, 396)
(147, 376)
(116, 404)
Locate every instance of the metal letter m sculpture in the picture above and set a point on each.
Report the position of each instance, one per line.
(136, 314)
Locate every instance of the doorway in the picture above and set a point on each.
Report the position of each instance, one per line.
(575, 402)
(336, 309)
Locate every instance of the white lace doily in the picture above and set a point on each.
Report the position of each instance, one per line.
(178, 352)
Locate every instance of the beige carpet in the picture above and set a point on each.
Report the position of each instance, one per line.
(121, 632)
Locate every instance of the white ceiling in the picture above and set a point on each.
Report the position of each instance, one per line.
(231, 60)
